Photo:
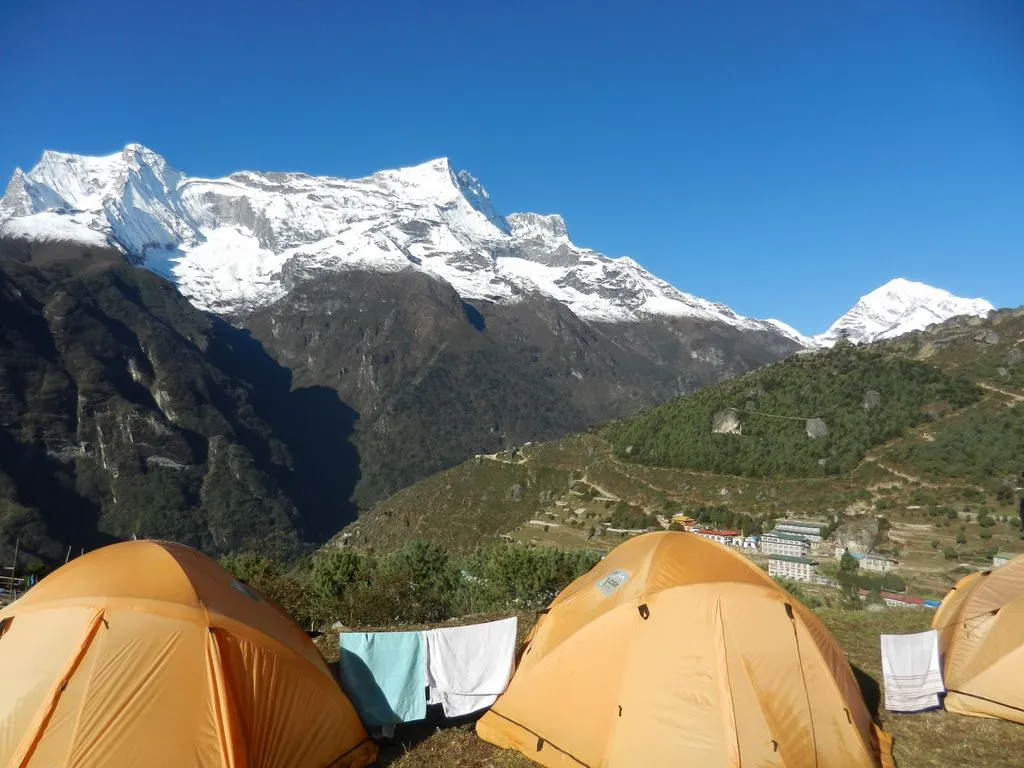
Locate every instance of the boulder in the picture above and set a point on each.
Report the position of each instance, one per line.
(872, 400)
(816, 428)
(727, 422)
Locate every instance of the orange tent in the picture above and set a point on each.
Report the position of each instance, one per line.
(676, 651)
(150, 654)
(980, 625)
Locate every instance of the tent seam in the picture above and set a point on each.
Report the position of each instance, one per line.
(25, 750)
(803, 679)
(728, 677)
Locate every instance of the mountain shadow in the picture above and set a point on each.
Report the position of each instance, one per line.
(313, 423)
(126, 412)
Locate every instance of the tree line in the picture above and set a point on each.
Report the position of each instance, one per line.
(419, 583)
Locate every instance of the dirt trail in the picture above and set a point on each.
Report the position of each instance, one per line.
(909, 478)
(520, 459)
(603, 491)
(1016, 397)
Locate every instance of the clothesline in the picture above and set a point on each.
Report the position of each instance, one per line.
(391, 677)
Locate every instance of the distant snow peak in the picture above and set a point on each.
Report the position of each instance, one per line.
(898, 307)
(241, 242)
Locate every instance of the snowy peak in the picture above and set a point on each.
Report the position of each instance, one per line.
(900, 306)
(537, 226)
(242, 242)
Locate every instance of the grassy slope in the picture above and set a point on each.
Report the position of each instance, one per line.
(461, 506)
(926, 740)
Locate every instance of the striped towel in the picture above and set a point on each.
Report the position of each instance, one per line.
(911, 671)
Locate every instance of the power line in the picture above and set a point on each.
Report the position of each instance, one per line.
(774, 415)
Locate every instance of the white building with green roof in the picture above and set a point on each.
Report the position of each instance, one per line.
(795, 568)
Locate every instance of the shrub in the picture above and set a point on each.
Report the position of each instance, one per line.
(950, 554)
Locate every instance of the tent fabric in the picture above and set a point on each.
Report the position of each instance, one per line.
(677, 651)
(911, 671)
(149, 653)
(469, 666)
(385, 676)
(980, 625)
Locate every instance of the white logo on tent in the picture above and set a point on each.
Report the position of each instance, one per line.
(613, 581)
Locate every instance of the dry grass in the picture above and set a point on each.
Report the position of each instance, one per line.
(454, 748)
(926, 740)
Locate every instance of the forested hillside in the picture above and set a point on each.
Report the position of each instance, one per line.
(813, 414)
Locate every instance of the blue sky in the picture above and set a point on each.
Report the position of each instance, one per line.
(784, 157)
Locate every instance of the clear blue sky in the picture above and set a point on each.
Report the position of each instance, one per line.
(782, 157)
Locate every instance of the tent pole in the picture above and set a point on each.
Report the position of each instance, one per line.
(14, 568)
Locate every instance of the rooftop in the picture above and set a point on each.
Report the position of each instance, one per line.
(877, 556)
(713, 532)
(793, 559)
(898, 597)
(804, 523)
(786, 536)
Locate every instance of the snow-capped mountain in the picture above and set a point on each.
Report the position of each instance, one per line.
(241, 242)
(900, 306)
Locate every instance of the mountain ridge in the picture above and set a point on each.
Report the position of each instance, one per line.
(241, 242)
(238, 243)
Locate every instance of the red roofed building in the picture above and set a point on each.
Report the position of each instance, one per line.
(896, 600)
(722, 537)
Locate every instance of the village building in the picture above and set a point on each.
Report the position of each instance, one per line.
(896, 600)
(775, 543)
(874, 561)
(722, 537)
(795, 568)
(812, 530)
